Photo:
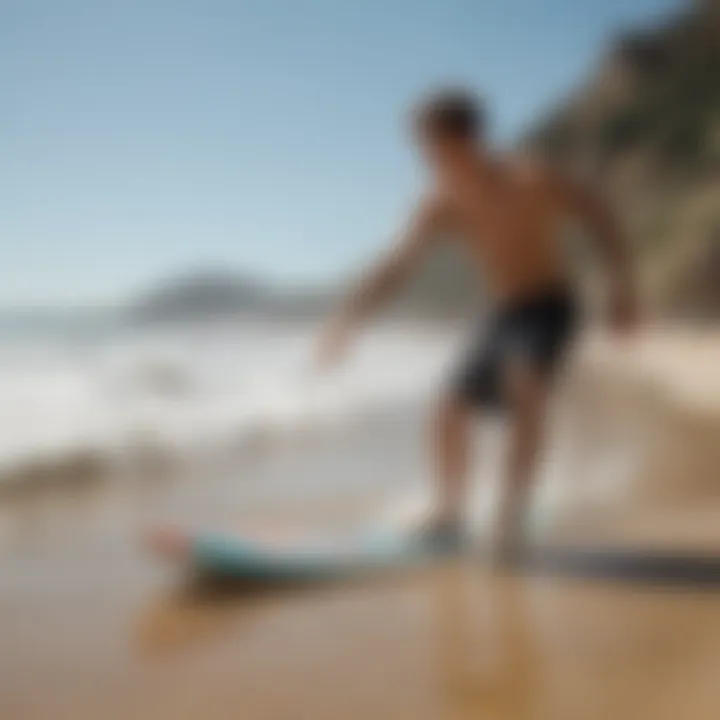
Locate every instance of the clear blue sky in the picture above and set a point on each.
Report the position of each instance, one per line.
(139, 138)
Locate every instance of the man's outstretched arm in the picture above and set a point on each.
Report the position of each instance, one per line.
(600, 222)
(383, 279)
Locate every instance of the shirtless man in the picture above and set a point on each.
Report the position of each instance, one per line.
(507, 216)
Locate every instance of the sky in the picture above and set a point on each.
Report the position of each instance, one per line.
(144, 138)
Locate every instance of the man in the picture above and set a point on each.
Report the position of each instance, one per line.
(506, 214)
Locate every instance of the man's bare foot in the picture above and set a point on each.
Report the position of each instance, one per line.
(441, 533)
(169, 541)
(512, 548)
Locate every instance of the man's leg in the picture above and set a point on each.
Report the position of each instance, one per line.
(452, 426)
(527, 395)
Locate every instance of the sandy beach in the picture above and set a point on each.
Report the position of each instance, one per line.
(92, 627)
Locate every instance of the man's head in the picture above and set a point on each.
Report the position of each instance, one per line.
(449, 126)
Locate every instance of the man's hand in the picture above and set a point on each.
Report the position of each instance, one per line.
(333, 346)
(623, 316)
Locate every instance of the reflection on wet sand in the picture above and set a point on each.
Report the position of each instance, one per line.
(487, 659)
(203, 608)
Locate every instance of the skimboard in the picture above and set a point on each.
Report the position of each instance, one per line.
(302, 559)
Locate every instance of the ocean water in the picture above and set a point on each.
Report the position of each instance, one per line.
(108, 392)
(103, 399)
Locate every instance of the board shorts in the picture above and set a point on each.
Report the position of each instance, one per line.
(537, 331)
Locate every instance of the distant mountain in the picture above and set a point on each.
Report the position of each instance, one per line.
(217, 293)
(200, 294)
(646, 125)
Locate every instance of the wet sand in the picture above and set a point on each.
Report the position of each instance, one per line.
(104, 634)
(92, 627)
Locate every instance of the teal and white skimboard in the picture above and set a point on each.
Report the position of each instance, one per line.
(240, 557)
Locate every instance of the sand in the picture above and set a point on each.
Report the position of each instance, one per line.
(92, 627)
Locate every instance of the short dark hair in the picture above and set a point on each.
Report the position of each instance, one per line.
(451, 113)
